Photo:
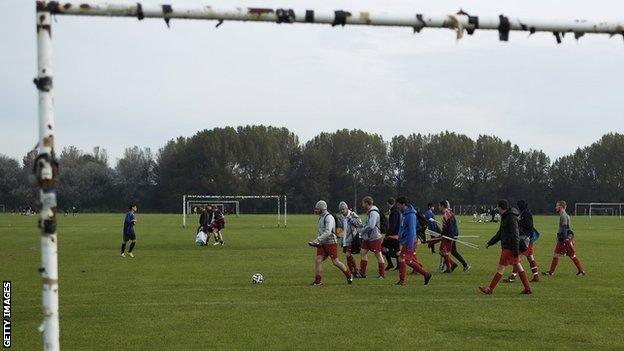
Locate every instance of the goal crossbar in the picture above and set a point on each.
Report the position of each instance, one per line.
(461, 22)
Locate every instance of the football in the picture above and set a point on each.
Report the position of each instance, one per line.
(257, 278)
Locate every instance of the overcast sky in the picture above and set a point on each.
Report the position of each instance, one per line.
(120, 82)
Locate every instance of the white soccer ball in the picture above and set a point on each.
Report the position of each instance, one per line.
(257, 278)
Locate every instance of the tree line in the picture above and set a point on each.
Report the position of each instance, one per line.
(343, 165)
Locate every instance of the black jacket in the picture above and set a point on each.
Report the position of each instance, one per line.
(508, 232)
(205, 218)
(526, 222)
(394, 220)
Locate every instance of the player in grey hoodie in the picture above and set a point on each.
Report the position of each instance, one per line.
(371, 237)
(326, 244)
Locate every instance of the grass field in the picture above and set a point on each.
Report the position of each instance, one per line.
(177, 296)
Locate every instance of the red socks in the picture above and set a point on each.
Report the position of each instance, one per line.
(497, 277)
(351, 264)
(382, 270)
(525, 280)
(578, 264)
(553, 264)
(534, 268)
(363, 264)
(418, 267)
(402, 272)
(448, 262)
(317, 278)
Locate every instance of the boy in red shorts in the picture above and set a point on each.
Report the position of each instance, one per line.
(527, 230)
(326, 244)
(371, 238)
(408, 241)
(566, 246)
(449, 230)
(507, 234)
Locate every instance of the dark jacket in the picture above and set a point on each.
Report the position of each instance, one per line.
(449, 224)
(508, 232)
(205, 219)
(394, 220)
(526, 222)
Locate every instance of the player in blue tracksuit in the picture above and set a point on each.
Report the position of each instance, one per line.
(407, 240)
(128, 231)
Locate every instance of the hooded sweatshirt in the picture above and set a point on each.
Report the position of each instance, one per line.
(526, 221)
(350, 224)
(407, 230)
(371, 230)
(508, 232)
(394, 221)
(326, 228)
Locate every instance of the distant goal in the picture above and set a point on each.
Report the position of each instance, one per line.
(598, 209)
(230, 204)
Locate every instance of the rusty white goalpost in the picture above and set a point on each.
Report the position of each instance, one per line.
(46, 168)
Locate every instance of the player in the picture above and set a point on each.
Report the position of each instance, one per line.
(351, 222)
(390, 244)
(527, 230)
(566, 246)
(218, 223)
(371, 238)
(432, 225)
(128, 231)
(326, 244)
(408, 242)
(449, 230)
(508, 236)
(205, 222)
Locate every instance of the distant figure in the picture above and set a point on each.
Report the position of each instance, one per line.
(566, 245)
(218, 223)
(128, 231)
(205, 221)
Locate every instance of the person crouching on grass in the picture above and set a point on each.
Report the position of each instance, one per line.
(508, 235)
(350, 224)
(326, 244)
(408, 242)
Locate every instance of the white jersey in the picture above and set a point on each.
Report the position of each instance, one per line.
(201, 239)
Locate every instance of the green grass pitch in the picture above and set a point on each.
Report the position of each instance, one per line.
(177, 296)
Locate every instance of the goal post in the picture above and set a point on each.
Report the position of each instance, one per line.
(235, 199)
(598, 208)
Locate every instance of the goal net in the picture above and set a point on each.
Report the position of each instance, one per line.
(231, 204)
(227, 207)
(598, 209)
